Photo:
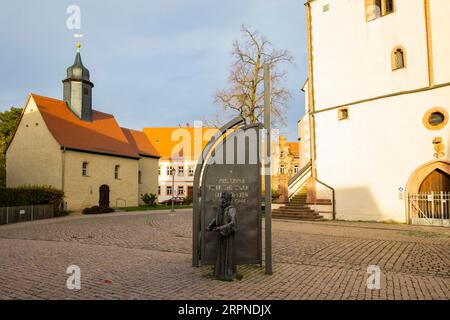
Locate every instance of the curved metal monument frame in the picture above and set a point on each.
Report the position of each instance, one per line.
(228, 129)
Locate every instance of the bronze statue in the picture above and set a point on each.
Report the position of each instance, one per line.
(224, 223)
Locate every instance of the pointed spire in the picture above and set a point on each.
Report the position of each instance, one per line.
(78, 88)
(78, 71)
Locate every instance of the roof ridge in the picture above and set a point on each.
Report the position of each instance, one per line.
(132, 129)
(44, 97)
(108, 114)
(62, 101)
(181, 128)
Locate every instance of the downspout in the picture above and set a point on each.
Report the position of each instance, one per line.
(63, 166)
(429, 40)
(311, 101)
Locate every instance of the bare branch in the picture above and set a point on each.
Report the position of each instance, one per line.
(245, 95)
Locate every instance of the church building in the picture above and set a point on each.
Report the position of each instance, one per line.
(68, 145)
(376, 125)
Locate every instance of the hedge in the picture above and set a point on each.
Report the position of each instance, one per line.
(97, 210)
(30, 195)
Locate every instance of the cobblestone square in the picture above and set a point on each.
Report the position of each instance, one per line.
(147, 255)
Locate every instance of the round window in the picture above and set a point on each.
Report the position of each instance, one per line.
(435, 119)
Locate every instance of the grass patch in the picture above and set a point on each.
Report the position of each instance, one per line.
(157, 207)
(392, 222)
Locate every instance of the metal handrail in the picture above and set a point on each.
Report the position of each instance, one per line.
(305, 168)
(333, 192)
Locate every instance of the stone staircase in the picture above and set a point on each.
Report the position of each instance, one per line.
(297, 209)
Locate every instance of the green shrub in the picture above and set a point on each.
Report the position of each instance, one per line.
(31, 195)
(149, 199)
(275, 194)
(188, 200)
(97, 210)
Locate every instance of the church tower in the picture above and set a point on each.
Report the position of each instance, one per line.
(78, 89)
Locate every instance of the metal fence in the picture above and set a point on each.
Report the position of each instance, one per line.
(430, 208)
(26, 213)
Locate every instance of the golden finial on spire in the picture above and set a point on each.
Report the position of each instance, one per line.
(78, 45)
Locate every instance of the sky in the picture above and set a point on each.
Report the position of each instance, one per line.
(153, 63)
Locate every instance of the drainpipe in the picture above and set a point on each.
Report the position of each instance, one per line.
(312, 110)
(311, 195)
(63, 166)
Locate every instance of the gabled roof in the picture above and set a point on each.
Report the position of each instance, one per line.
(172, 142)
(141, 143)
(102, 135)
(294, 147)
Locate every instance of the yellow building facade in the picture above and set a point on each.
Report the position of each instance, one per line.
(286, 164)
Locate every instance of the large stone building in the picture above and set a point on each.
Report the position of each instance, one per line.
(179, 149)
(377, 108)
(68, 145)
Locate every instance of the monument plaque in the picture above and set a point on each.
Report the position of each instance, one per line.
(233, 167)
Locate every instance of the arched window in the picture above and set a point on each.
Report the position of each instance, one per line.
(398, 58)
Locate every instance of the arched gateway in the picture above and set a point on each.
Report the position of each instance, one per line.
(428, 192)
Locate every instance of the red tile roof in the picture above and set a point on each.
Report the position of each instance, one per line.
(179, 142)
(141, 143)
(102, 135)
(295, 148)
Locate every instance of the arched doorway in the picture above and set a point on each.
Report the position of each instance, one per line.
(428, 191)
(103, 201)
(436, 181)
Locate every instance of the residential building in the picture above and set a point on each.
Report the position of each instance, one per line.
(286, 163)
(179, 149)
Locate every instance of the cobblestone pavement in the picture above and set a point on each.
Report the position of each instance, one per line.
(147, 256)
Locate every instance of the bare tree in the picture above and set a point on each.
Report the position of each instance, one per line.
(245, 95)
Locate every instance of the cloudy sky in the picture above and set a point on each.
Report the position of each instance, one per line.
(153, 63)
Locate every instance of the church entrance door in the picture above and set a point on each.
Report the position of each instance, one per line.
(104, 196)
